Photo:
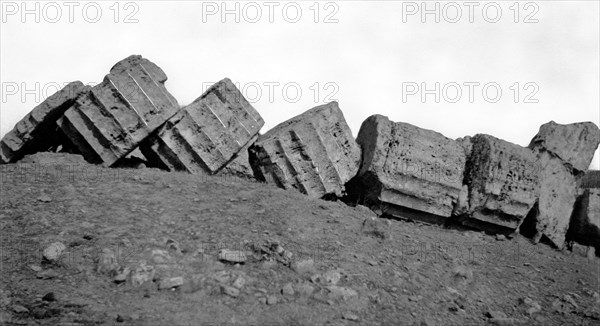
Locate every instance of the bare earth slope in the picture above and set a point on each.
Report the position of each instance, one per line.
(363, 271)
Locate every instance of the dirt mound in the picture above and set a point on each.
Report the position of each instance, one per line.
(146, 247)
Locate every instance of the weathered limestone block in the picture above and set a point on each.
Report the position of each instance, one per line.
(240, 164)
(558, 193)
(314, 153)
(503, 183)
(115, 116)
(408, 167)
(207, 134)
(585, 223)
(563, 152)
(591, 179)
(36, 132)
(573, 143)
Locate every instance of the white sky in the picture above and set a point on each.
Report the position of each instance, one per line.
(363, 59)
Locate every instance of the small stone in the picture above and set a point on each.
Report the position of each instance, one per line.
(141, 274)
(415, 298)
(44, 198)
(20, 309)
(375, 227)
(503, 321)
(287, 254)
(303, 266)
(35, 268)
(262, 300)
(134, 317)
(288, 289)
(169, 283)
(107, 262)
(122, 275)
(232, 256)
(344, 293)
(47, 274)
(305, 289)
(496, 314)
(120, 319)
(500, 237)
(49, 297)
(349, 316)
(331, 277)
(372, 263)
(53, 251)
(533, 307)
(222, 277)
(279, 249)
(230, 291)
(239, 282)
(271, 300)
(160, 256)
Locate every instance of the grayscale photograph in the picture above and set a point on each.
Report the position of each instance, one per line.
(250, 163)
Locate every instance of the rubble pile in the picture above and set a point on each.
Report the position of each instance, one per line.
(394, 168)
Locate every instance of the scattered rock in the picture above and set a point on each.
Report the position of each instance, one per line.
(500, 237)
(50, 297)
(345, 293)
(169, 283)
(532, 306)
(47, 274)
(44, 198)
(35, 268)
(331, 277)
(121, 275)
(107, 262)
(271, 300)
(20, 309)
(232, 256)
(494, 314)
(287, 289)
(350, 316)
(504, 321)
(304, 289)
(303, 266)
(54, 251)
(160, 256)
(375, 227)
(239, 282)
(230, 291)
(141, 274)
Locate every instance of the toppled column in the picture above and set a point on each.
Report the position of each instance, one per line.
(314, 153)
(585, 224)
(206, 135)
(115, 116)
(409, 172)
(36, 132)
(503, 184)
(564, 152)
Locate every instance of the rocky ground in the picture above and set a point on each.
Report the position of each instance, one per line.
(147, 247)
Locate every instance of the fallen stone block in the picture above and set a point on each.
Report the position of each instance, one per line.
(558, 193)
(409, 172)
(563, 153)
(113, 118)
(314, 153)
(503, 184)
(206, 135)
(240, 164)
(573, 143)
(585, 222)
(36, 132)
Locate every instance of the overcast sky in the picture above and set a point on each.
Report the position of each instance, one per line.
(287, 57)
